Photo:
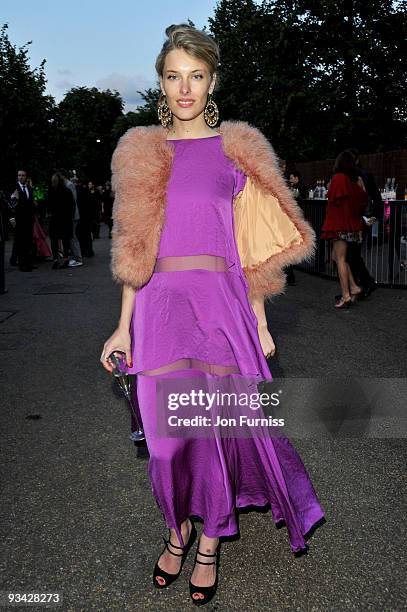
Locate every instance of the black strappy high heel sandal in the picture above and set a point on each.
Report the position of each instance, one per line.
(208, 592)
(169, 578)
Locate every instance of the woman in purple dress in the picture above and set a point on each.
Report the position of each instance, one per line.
(191, 231)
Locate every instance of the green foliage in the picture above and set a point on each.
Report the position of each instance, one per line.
(315, 76)
(26, 115)
(85, 121)
(40, 192)
(145, 114)
(39, 136)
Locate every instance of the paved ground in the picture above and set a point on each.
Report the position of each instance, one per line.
(77, 512)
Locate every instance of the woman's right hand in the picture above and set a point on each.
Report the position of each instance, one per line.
(118, 341)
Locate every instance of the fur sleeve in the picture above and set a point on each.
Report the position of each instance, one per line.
(122, 185)
(140, 169)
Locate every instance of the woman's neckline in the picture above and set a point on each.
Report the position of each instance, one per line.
(187, 139)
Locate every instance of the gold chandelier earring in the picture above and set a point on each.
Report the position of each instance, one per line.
(164, 112)
(211, 112)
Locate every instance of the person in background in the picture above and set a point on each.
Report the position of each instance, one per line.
(375, 205)
(108, 199)
(61, 207)
(40, 245)
(300, 193)
(95, 201)
(297, 185)
(74, 243)
(24, 208)
(289, 270)
(375, 199)
(40, 205)
(40, 249)
(343, 225)
(4, 217)
(282, 164)
(84, 229)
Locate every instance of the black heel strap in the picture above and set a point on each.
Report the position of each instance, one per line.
(171, 551)
(204, 563)
(169, 542)
(206, 555)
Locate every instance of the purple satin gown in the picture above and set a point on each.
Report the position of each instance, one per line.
(193, 317)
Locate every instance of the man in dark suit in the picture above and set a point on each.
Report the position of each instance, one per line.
(23, 203)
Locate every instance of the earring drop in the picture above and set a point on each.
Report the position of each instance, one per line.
(164, 111)
(211, 112)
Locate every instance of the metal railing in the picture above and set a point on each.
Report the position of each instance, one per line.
(384, 247)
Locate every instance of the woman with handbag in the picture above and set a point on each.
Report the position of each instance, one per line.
(203, 226)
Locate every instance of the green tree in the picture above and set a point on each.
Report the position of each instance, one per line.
(27, 115)
(145, 114)
(86, 117)
(356, 50)
(239, 32)
(315, 76)
(262, 76)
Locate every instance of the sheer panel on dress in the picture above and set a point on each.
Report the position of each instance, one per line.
(187, 363)
(212, 263)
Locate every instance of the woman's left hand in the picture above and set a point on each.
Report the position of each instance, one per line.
(266, 341)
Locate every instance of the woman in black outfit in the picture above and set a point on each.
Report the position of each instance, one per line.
(95, 207)
(84, 229)
(61, 210)
(108, 199)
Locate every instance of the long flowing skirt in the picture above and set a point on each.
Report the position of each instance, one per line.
(196, 325)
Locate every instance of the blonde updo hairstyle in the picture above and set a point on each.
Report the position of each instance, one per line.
(195, 42)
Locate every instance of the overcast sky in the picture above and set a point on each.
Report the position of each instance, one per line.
(109, 44)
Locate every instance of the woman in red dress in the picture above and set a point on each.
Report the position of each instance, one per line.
(347, 200)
